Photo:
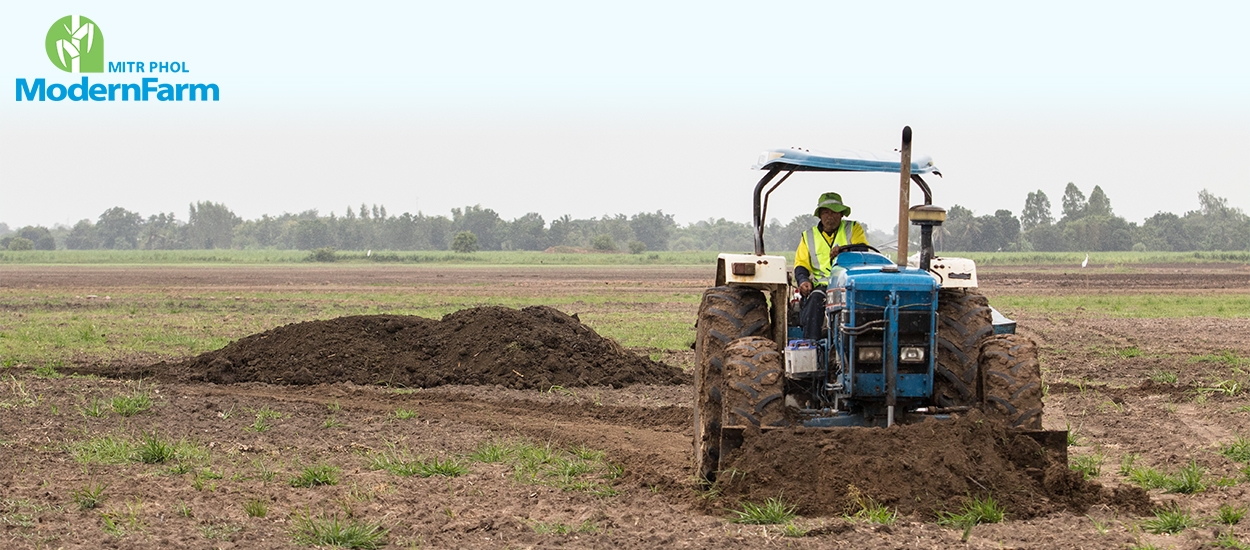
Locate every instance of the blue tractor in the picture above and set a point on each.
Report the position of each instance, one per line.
(902, 341)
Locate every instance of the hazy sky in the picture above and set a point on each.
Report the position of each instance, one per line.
(594, 108)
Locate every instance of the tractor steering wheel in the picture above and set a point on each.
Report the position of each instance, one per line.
(858, 247)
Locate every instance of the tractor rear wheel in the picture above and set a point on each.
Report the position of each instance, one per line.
(1012, 378)
(754, 394)
(725, 314)
(964, 323)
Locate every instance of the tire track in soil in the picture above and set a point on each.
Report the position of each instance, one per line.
(653, 443)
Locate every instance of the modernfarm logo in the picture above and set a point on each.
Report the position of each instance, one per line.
(75, 44)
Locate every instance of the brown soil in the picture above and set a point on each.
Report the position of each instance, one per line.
(1096, 387)
(533, 348)
(918, 469)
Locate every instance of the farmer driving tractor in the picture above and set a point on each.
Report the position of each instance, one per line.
(813, 261)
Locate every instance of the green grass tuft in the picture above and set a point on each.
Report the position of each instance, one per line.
(102, 450)
(1170, 519)
(491, 452)
(318, 474)
(1238, 450)
(90, 496)
(1090, 466)
(773, 511)
(545, 528)
(255, 508)
(1231, 515)
(94, 409)
(344, 533)
(974, 512)
(1187, 480)
(870, 510)
(130, 405)
(154, 450)
(1163, 377)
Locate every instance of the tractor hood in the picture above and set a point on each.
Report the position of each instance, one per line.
(872, 271)
(803, 160)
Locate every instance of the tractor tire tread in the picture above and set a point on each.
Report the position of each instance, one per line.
(725, 315)
(1013, 380)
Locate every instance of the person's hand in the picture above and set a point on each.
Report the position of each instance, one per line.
(834, 250)
(805, 288)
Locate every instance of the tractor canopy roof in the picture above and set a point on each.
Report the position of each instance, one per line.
(803, 160)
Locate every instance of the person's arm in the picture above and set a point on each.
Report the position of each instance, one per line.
(803, 266)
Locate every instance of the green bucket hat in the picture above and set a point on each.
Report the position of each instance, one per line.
(832, 201)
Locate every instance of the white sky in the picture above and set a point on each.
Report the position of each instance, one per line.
(593, 108)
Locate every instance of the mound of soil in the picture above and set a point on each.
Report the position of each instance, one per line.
(918, 469)
(533, 348)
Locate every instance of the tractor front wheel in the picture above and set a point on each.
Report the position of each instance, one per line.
(754, 387)
(725, 314)
(1012, 378)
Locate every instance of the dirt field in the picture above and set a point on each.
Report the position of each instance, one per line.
(244, 441)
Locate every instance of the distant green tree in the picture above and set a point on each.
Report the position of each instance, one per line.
(161, 232)
(311, 234)
(119, 228)
(560, 230)
(1099, 233)
(1074, 203)
(1165, 231)
(603, 242)
(653, 229)
(482, 222)
(465, 242)
(528, 232)
(1007, 232)
(211, 225)
(82, 236)
(1036, 211)
(18, 244)
(1047, 238)
(637, 247)
(1216, 225)
(1099, 204)
(39, 235)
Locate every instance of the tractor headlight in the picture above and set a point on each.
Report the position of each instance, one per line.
(911, 355)
(869, 355)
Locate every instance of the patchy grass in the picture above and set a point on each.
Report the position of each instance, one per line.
(1170, 519)
(773, 511)
(399, 463)
(974, 512)
(1160, 376)
(1238, 450)
(1090, 466)
(315, 475)
(130, 405)
(331, 530)
(89, 496)
(1230, 515)
(547, 528)
(255, 508)
(579, 469)
(1188, 480)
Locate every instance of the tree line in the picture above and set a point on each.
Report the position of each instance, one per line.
(1085, 224)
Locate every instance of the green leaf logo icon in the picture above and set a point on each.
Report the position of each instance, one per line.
(75, 44)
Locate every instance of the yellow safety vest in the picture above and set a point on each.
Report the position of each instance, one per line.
(822, 263)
